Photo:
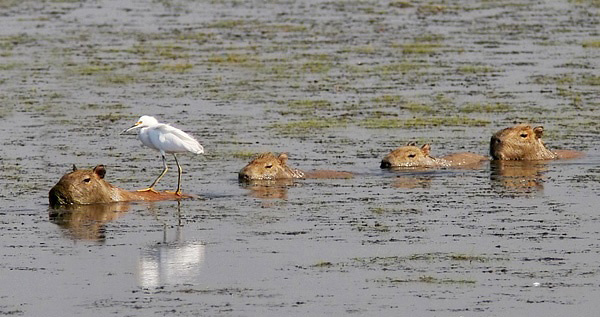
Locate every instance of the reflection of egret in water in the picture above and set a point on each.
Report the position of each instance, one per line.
(518, 176)
(268, 189)
(86, 222)
(171, 262)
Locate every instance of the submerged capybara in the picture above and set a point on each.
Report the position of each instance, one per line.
(268, 166)
(522, 142)
(89, 187)
(414, 156)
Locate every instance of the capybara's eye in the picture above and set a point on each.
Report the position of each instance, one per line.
(411, 155)
(87, 180)
(523, 135)
(268, 166)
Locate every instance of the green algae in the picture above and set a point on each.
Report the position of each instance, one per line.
(323, 264)
(243, 154)
(478, 107)
(591, 44)
(310, 104)
(475, 69)
(306, 126)
(397, 123)
(178, 67)
(429, 280)
(420, 48)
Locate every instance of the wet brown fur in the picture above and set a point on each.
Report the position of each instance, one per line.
(268, 166)
(413, 156)
(522, 142)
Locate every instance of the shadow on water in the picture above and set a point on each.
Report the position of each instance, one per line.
(172, 260)
(518, 177)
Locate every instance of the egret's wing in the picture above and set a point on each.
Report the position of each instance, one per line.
(153, 135)
(173, 140)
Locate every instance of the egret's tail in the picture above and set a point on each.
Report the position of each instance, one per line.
(198, 149)
(189, 143)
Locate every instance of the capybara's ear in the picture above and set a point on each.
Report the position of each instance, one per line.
(100, 171)
(539, 131)
(74, 168)
(426, 148)
(283, 157)
(411, 143)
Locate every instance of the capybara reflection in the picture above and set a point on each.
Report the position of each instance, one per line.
(268, 189)
(524, 143)
(522, 176)
(414, 156)
(268, 166)
(89, 187)
(86, 222)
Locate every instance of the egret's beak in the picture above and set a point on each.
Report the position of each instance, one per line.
(133, 127)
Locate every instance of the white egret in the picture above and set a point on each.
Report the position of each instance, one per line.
(165, 139)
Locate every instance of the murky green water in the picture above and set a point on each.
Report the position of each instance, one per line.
(337, 85)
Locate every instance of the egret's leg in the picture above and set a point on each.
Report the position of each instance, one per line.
(178, 191)
(165, 169)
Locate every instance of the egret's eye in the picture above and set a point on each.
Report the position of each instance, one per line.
(523, 135)
(269, 166)
(411, 155)
(87, 180)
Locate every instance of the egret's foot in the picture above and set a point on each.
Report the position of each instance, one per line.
(178, 192)
(149, 189)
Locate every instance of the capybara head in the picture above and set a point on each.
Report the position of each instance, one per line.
(82, 187)
(409, 156)
(268, 166)
(521, 142)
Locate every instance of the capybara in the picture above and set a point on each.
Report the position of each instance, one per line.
(89, 187)
(414, 156)
(267, 166)
(522, 142)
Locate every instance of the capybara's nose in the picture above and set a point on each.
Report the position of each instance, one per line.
(496, 140)
(56, 198)
(495, 147)
(385, 164)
